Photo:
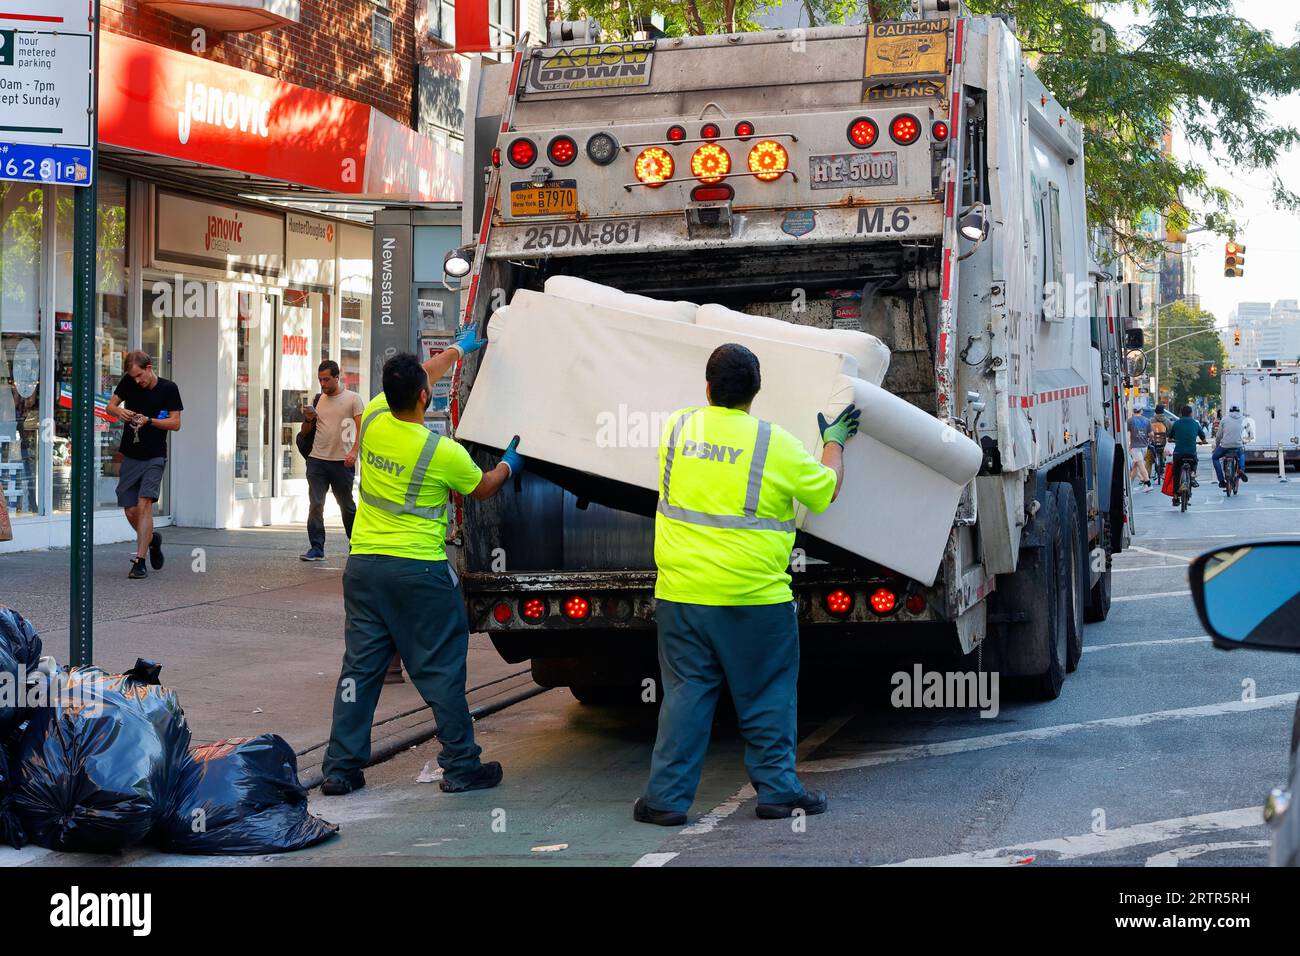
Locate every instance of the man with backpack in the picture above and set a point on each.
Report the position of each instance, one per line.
(1161, 423)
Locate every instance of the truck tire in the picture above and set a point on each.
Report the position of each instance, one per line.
(1074, 571)
(1034, 640)
(1099, 598)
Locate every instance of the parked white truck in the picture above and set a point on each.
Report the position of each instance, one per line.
(911, 179)
(1270, 396)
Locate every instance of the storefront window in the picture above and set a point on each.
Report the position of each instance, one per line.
(21, 232)
(253, 396)
(297, 374)
(110, 339)
(351, 340)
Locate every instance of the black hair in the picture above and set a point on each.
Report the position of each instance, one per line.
(404, 379)
(733, 376)
(329, 365)
(1159, 409)
(1186, 411)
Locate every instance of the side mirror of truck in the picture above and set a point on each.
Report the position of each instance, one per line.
(1248, 594)
(1134, 338)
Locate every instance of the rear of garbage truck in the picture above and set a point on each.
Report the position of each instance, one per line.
(911, 180)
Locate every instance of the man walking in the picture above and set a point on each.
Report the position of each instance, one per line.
(335, 421)
(399, 592)
(150, 407)
(1138, 431)
(724, 532)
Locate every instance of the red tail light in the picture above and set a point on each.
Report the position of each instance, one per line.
(653, 166)
(496, 156)
(839, 601)
(576, 608)
(562, 150)
(710, 131)
(710, 163)
(768, 160)
(522, 153)
(502, 613)
(744, 128)
(863, 132)
(532, 609)
(618, 609)
(915, 603)
(676, 133)
(904, 129)
(939, 130)
(712, 193)
(883, 600)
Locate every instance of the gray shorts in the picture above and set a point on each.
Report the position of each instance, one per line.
(139, 479)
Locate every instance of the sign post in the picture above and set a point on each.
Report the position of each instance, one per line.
(48, 135)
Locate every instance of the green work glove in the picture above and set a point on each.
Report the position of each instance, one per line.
(842, 429)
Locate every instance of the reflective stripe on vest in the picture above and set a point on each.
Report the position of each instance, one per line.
(749, 521)
(408, 505)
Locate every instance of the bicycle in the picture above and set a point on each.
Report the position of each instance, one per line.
(1231, 480)
(1184, 487)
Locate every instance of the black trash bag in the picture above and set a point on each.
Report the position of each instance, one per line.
(242, 796)
(11, 830)
(20, 652)
(97, 768)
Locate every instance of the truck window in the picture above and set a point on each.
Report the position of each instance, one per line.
(1053, 281)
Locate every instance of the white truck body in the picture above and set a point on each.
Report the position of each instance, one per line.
(1271, 397)
(1014, 339)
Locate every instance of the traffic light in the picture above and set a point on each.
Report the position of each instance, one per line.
(1214, 370)
(1234, 259)
(1236, 337)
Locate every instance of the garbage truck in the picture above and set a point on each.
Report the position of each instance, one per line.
(910, 179)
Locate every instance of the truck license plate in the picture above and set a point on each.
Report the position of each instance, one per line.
(844, 171)
(554, 199)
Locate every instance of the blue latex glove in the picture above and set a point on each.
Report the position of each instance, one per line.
(843, 428)
(467, 341)
(511, 457)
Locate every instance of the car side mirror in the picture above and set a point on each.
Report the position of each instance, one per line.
(1134, 338)
(1248, 594)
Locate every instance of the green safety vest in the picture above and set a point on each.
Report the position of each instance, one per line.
(406, 474)
(725, 522)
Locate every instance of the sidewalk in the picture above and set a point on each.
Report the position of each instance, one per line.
(250, 637)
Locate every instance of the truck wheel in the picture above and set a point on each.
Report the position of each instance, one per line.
(1074, 571)
(1035, 639)
(1099, 598)
(600, 695)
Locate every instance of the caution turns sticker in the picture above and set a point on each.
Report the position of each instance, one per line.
(907, 48)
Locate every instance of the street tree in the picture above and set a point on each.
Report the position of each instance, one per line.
(1189, 347)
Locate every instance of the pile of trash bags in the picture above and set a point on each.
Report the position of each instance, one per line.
(96, 762)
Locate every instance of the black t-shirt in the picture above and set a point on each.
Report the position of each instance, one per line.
(163, 397)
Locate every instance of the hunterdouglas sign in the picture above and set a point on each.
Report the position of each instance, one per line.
(598, 67)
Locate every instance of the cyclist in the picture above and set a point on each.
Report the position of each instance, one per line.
(1187, 431)
(1161, 423)
(1235, 431)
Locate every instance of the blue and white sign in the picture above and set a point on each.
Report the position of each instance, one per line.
(60, 165)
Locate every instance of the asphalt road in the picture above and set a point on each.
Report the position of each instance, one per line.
(1159, 752)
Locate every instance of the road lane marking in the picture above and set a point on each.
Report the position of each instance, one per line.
(1179, 853)
(1150, 597)
(1090, 844)
(1203, 639)
(710, 820)
(1161, 554)
(1150, 567)
(944, 748)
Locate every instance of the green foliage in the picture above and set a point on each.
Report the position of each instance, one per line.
(1190, 63)
(1185, 362)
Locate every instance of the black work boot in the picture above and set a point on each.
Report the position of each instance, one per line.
(336, 786)
(811, 802)
(643, 813)
(486, 777)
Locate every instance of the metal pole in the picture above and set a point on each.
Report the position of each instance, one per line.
(85, 282)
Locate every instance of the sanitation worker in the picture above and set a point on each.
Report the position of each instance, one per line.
(724, 531)
(399, 592)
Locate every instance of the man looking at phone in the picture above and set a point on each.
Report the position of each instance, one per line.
(336, 421)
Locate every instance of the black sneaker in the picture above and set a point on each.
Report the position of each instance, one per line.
(486, 777)
(155, 552)
(338, 786)
(1241, 476)
(642, 813)
(812, 803)
(1223, 484)
(137, 569)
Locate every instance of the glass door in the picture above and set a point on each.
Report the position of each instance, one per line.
(299, 329)
(254, 386)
